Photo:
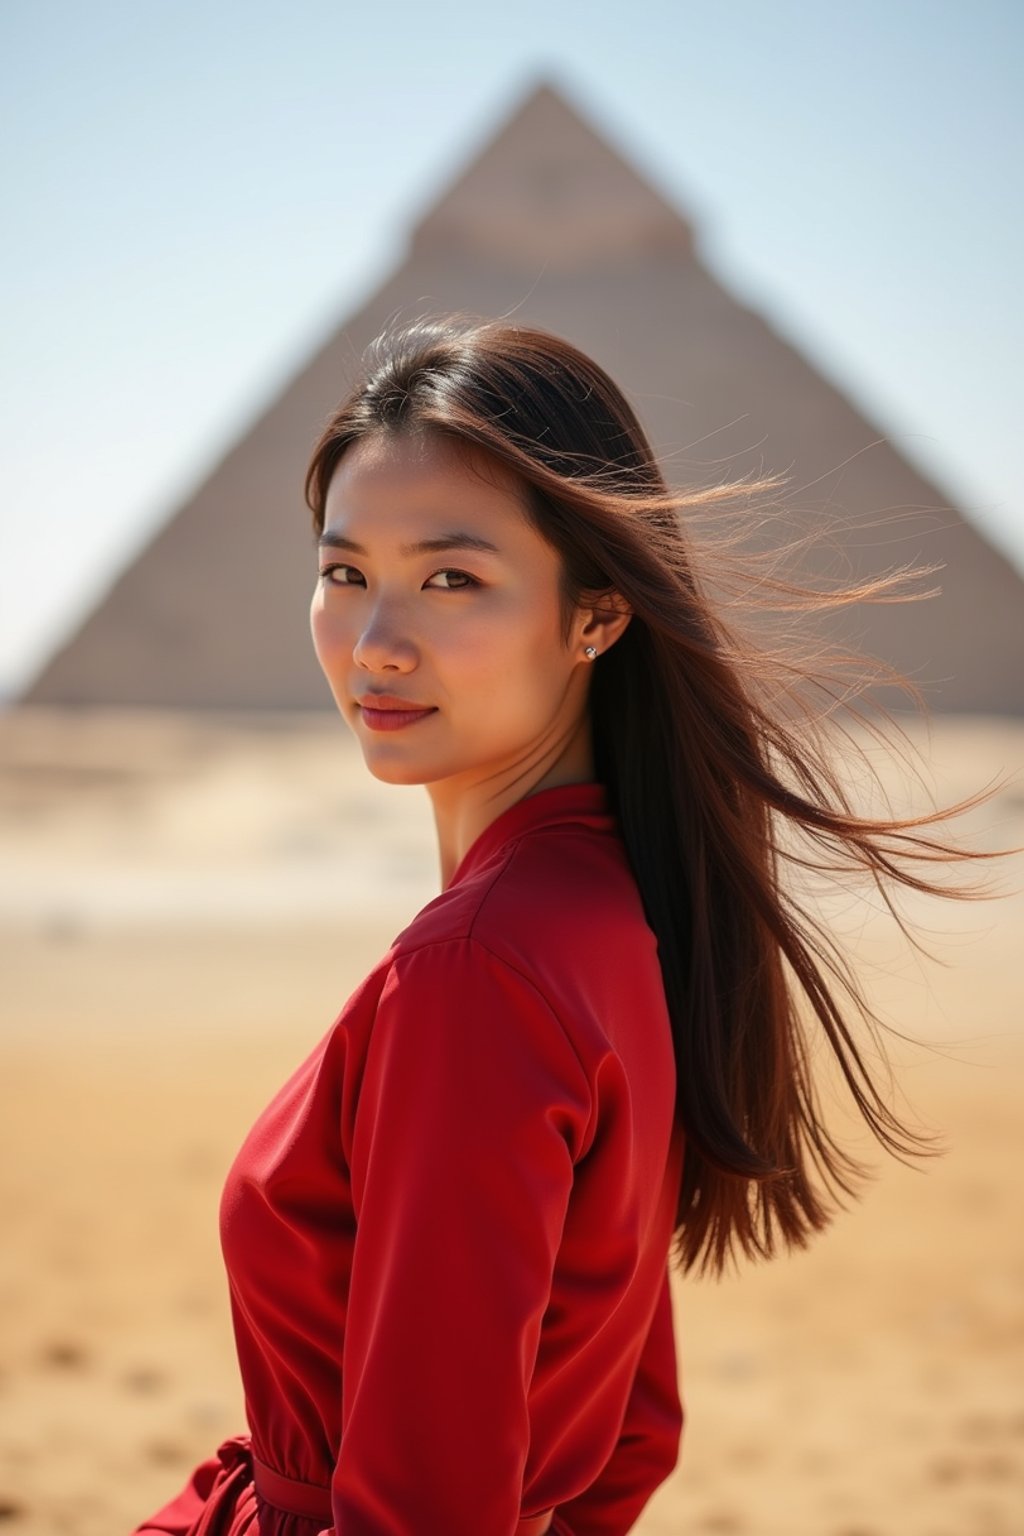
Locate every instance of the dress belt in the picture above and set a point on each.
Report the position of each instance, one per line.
(313, 1500)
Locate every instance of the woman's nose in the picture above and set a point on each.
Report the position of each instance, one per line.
(383, 642)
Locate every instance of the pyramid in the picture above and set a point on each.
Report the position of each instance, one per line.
(549, 225)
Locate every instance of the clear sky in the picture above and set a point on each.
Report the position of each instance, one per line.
(194, 191)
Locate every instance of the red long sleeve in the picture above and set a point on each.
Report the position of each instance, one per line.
(647, 1449)
(473, 1108)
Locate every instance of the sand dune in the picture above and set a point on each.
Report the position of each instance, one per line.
(184, 906)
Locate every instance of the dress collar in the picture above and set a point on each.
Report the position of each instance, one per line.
(586, 803)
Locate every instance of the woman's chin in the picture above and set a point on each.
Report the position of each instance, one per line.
(393, 772)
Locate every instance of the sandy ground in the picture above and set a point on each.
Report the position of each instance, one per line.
(184, 907)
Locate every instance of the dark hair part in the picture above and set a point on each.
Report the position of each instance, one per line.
(709, 748)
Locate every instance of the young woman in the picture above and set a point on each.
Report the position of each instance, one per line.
(449, 1236)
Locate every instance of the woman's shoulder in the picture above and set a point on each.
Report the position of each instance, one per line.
(555, 896)
(553, 928)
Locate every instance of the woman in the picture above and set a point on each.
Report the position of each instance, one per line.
(449, 1235)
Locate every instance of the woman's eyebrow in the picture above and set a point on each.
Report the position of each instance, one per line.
(456, 540)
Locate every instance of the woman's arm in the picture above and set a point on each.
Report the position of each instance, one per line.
(648, 1445)
(472, 1110)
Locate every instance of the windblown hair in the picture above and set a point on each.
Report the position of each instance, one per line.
(710, 750)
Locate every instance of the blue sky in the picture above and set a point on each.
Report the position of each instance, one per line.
(195, 192)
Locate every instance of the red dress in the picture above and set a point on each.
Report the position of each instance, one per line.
(447, 1235)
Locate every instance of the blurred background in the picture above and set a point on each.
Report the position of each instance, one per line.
(793, 234)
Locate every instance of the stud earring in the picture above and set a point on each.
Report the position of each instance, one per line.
(590, 651)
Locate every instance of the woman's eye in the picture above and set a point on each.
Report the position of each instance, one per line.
(327, 574)
(463, 579)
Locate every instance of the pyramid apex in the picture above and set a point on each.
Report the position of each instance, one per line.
(549, 188)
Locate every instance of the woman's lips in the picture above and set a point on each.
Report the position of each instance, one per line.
(393, 719)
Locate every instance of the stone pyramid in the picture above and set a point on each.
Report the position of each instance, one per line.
(549, 225)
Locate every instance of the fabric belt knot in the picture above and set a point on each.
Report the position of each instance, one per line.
(229, 1480)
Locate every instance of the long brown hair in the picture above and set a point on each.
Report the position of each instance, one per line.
(709, 747)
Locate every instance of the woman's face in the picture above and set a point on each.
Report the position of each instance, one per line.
(467, 629)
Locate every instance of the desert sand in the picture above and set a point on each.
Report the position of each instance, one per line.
(186, 903)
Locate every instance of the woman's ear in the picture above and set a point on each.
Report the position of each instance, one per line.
(602, 620)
